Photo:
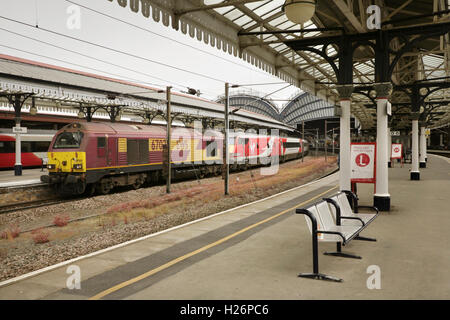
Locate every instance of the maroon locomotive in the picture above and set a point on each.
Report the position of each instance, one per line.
(97, 156)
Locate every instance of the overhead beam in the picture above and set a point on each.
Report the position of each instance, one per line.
(393, 13)
(348, 13)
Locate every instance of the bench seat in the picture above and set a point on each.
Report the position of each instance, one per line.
(344, 214)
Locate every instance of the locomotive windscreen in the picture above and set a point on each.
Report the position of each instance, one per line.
(68, 140)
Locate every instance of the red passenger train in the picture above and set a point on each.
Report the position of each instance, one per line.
(34, 149)
(97, 156)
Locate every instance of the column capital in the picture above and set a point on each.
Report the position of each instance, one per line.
(345, 91)
(383, 89)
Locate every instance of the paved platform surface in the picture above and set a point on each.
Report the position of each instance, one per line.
(28, 177)
(256, 252)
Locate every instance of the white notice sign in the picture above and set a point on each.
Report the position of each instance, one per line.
(396, 152)
(363, 162)
(20, 130)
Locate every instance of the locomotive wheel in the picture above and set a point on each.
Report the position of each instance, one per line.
(103, 188)
(90, 189)
(137, 184)
(80, 188)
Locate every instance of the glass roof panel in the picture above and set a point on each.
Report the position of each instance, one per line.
(268, 6)
(224, 9)
(286, 25)
(243, 20)
(257, 4)
(278, 20)
(233, 14)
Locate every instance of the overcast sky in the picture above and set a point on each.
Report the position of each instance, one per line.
(162, 45)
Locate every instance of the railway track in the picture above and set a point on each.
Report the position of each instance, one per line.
(28, 205)
(20, 206)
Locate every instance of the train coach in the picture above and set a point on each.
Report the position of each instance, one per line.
(96, 156)
(34, 149)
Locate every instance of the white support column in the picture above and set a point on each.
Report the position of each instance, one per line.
(18, 164)
(423, 148)
(345, 93)
(415, 173)
(389, 146)
(382, 198)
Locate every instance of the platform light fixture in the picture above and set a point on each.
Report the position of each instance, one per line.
(81, 115)
(33, 109)
(299, 11)
(423, 91)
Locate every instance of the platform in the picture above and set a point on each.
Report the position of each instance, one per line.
(256, 252)
(28, 177)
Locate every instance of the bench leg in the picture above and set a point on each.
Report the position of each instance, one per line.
(339, 253)
(319, 276)
(364, 238)
(315, 274)
(342, 255)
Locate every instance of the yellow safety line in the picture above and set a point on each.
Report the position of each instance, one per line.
(193, 253)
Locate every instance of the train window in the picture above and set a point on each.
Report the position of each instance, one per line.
(211, 147)
(40, 146)
(25, 146)
(291, 144)
(101, 142)
(7, 147)
(68, 140)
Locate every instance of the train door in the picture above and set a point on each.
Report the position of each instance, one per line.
(101, 151)
(111, 154)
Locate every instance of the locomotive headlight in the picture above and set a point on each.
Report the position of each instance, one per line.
(51, 166)
(78, 166)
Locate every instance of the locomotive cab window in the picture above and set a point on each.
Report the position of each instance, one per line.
(101, 144)
(68, 140)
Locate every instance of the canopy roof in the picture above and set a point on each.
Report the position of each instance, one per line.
(226, 24)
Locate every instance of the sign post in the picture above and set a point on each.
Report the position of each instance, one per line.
(397, 152)
(363, 162)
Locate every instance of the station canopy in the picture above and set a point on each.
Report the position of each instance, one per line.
(231, 26)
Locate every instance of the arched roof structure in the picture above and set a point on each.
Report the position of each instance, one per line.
(302, 107)
(254, 104)
(259, 32)
(306, 107)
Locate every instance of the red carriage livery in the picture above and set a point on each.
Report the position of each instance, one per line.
(98, 156)
(34, 149)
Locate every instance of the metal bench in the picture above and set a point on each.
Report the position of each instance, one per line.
(321, 224)
(345, 215)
